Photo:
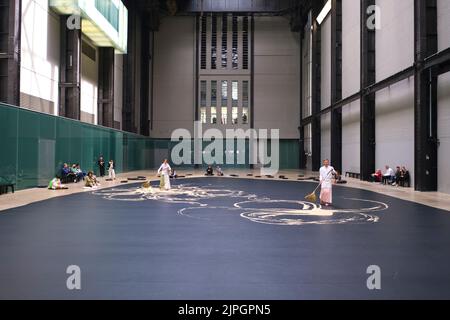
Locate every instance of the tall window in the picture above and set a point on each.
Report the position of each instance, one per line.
(213, 115)
(224, 61)
(224, 93)
(245, 102)
(235, 99)
(214, 43)
(245, 46)
(224, 41)
(203, 43)
(203, 86)
(234, 52)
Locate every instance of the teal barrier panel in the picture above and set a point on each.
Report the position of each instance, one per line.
(34, 146)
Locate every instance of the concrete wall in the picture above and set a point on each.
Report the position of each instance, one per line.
(443, 24)
(277, 76)
(325, 92)
(39, 57)
(174, 76)
(118, 90)
(351, 137)
(395, 126)
(395, 104)
(444, 133)
(395, 39)
(89, 87)
(351, 43)
(325, 152)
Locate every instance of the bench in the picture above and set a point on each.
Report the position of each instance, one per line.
(5, 185)
(353, 175)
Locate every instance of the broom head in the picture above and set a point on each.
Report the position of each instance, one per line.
(146, 185)
(311, 197)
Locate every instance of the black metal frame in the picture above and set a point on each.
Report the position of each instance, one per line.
(425, 102)
(10, 55)
(70, 71)
(106, 87)
(368, 78)
(336, 83)
(316, 138)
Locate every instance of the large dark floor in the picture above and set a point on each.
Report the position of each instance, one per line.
(210, 241)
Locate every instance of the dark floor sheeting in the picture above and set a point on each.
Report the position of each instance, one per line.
(147, 250)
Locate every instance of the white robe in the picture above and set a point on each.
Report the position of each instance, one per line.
(326, 180)
(165, 171)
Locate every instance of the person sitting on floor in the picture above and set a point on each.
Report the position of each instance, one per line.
(219, 171)
(209, 171)
(91, 180)
(338, 178)
(377, 176)
(56, 184)
(173, 174)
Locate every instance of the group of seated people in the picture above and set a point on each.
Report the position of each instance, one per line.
(72, 173)
(210, 171)
(90, 182)
(399, 177)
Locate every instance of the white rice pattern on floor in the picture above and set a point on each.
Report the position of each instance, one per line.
(250, 206)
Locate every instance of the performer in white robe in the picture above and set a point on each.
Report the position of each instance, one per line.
(164, 171)
(326, 182)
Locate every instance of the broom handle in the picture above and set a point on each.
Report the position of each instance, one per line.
(320, 183)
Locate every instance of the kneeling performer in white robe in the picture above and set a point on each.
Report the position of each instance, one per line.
(164, 171)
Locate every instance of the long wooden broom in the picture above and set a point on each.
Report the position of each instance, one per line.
(313, 197)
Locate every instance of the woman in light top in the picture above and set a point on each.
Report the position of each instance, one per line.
(164, 171)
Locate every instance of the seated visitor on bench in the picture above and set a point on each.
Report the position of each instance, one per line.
(405, 178)
(67, 173)
(377, 176)
(389, 175)
(79, 175)
(209, 171)
(173, 174)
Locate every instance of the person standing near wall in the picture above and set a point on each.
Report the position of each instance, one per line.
(101, 166)
(111, 170)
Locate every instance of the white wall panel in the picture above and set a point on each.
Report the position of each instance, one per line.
(395, 126)
(277, 68)
(395, 39)
(443, 7)
(351, 138)
(174, 76)
(118, 88)
(351, 40)
(326, 63)
(89, 87)
(39, 53)
(444, 133)
(325, 152)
